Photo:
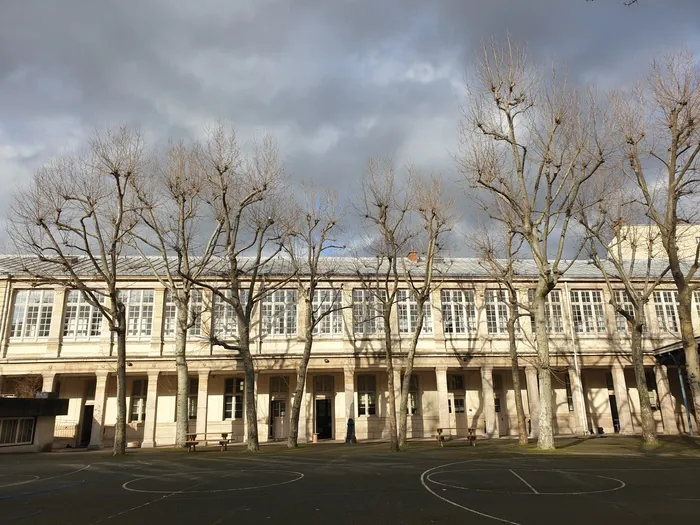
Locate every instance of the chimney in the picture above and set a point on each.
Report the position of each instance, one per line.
(412, 256)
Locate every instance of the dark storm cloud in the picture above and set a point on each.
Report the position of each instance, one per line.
(336, 81)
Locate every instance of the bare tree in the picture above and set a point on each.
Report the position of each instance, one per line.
(532, 143)
(73, 219)
(384, 208)
(658, 124)
(610, 234)
(172, 212)
(436, 217)
(498, 255)
(313, 232)
(246, 200)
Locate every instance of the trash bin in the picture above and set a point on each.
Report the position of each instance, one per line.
(314, 438)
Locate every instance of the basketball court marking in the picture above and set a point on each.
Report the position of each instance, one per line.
(298, 476)
(473, 511)
(534, 491)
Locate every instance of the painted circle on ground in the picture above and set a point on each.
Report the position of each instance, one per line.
(526, 481)
(218, 481)
(12, 480)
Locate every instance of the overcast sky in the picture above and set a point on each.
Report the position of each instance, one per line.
(336, 81)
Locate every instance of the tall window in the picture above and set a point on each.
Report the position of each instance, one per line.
(192, 397)
(587, 311)
(458, 311)
(233, 398)
(367, 395)
(496, 312)
(194, 316)
(413, 401)
(225, 319)
(367, 312)
(279, 385)
(665, 304)
(497, 391)
(31, 316)
(137, 410)
(552, 312)
(328, 301)
(569, 393)
(81, 319)
(622, 325)
(455, 382)
(139, 312)
(279, 313)
(696, 298)
(407, 308)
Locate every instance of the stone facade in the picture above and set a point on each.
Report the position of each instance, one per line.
(462, 367)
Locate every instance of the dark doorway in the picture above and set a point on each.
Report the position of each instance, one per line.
(86, 429)
(324, 419)
(615, 414)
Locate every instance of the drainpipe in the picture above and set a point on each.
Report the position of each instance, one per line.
(577, 369)
(5, 316)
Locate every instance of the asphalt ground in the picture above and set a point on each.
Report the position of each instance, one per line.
(361, 483)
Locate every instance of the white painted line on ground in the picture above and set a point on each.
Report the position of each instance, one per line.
(473, 511)
(523, 480)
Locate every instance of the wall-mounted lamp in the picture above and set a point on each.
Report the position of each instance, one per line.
(130, 364)
(326, 360)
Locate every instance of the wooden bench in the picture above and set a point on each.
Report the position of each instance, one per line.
(191, 442)
(221, 438)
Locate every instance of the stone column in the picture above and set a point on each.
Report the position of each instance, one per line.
(49, 381)
(157, 328)
(397, 394)
(443, 408)
(55, 340)
(622, 400)
(487, 401)
(580, 424)
(263, 407)
(203, 402)
(149, 424)
(349, 380)
(668, 410)
(533, 399)
(98, 413)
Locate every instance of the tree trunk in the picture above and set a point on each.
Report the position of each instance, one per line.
(545, 440)
(292, 440)
(182, 417)
(690, 347)
(408, 370)
(251, 411)
(515, 370)
(120, 425)
(647, 416)
(393, 437)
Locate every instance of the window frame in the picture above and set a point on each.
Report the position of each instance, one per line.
(137, 401)
(195, 309)
(496, 307)
(596, 319)
(19, 431)
(553, 311)
(367, 312)
(407, 313)
(94, 316)
(278, 315)
(366, 396)
(234, 397)
(333, 322)
(663, 308)
(142, 329)
(458, 312)
(44, 311)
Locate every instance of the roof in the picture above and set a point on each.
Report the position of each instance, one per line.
(137, 266)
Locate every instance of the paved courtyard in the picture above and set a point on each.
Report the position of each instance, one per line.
(357, 484)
